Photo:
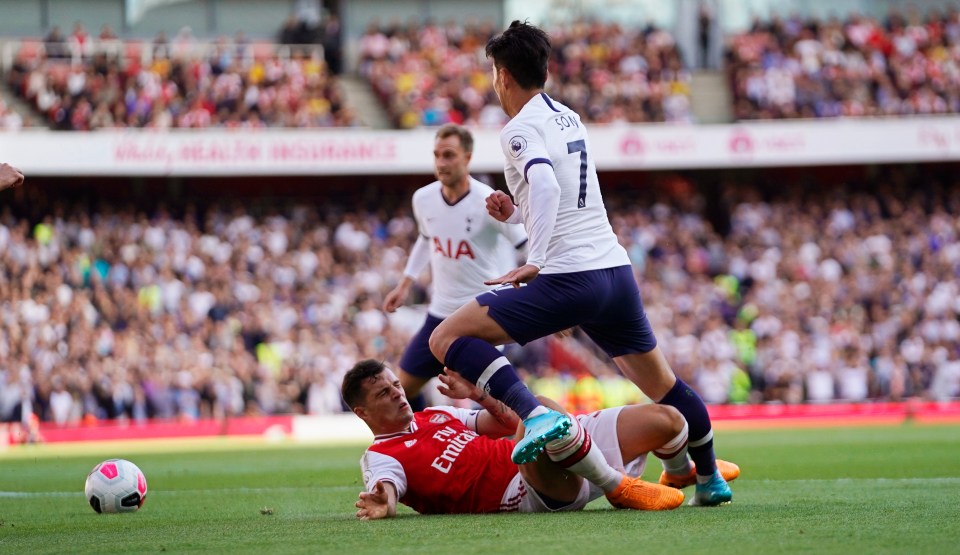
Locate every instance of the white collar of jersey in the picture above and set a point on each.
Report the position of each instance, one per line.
(385, 437)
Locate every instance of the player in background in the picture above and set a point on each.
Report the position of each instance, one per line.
(576, 271)
(10, 177)
(455, 460)
(459, 240)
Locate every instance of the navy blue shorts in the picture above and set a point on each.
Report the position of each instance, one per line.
(417, 360)
(604, 303)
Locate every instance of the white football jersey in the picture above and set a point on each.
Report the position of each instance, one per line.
(466, 248)
(547, 132)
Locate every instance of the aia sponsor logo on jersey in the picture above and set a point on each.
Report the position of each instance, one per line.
(446, 248)
(438, 419)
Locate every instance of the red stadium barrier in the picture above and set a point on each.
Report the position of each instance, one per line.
(838, 414)
(154, 429)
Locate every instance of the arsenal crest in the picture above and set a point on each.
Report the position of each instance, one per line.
(438, 418)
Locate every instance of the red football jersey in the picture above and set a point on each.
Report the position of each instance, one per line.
(442, 465)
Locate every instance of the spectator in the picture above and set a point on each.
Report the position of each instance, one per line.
(227, 88)
(859, 67)
(254, 309)
(55, 44)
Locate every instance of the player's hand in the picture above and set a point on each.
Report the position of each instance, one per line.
(516, 276)
(395, 298)
(500, 206)
(374, 504)
(455, 386)
(10, 176)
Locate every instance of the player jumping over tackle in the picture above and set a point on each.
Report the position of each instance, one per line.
(576, 274)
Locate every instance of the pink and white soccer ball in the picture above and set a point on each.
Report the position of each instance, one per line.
(116, 486)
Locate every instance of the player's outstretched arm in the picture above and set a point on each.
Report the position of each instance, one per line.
(496, 420)
(516, 276)
(379, 503)
(10, 176)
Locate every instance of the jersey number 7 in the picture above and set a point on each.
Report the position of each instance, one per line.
(581, 147)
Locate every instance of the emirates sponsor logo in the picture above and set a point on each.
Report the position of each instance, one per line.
(456, 442)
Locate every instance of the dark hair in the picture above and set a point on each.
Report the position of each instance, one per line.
(452, 129)
(524, 51)
(352, 387)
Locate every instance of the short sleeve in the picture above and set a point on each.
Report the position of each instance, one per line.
(468, 417)
(379, 467)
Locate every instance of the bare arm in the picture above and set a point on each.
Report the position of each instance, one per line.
(10, 177)
(379, 503)
(496, 420)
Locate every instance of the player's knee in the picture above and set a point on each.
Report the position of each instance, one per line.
(672, 418)
(439, 343)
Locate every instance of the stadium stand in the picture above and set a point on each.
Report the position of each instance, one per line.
(800, 67)
(251, 306)
(257, 309)
(88, 84)
(428, 75)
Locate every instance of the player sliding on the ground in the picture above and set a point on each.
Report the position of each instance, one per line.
(454, 460)
(577, 274)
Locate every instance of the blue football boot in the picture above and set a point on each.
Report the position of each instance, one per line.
(537, 431)
(712, 493)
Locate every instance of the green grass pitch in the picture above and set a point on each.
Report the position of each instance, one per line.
(891, 489)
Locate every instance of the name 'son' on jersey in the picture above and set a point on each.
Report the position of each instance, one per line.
(445, 248)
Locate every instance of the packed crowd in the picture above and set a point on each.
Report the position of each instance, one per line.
(89, 84)
(861, 66)
(110, 312)
(428, 75)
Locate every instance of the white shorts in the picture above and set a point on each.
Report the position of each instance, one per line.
(602, 428)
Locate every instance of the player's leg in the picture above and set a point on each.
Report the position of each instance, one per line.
(465, 342)
(576, 453)
(624, 332)
(622, 436)
(556, 478)
(657, 429)
(418, 365)
(654, 377)
(556, 486)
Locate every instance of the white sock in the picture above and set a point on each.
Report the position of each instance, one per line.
(538, 411)
(673, 455)
(576, 452)
(707, 478)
